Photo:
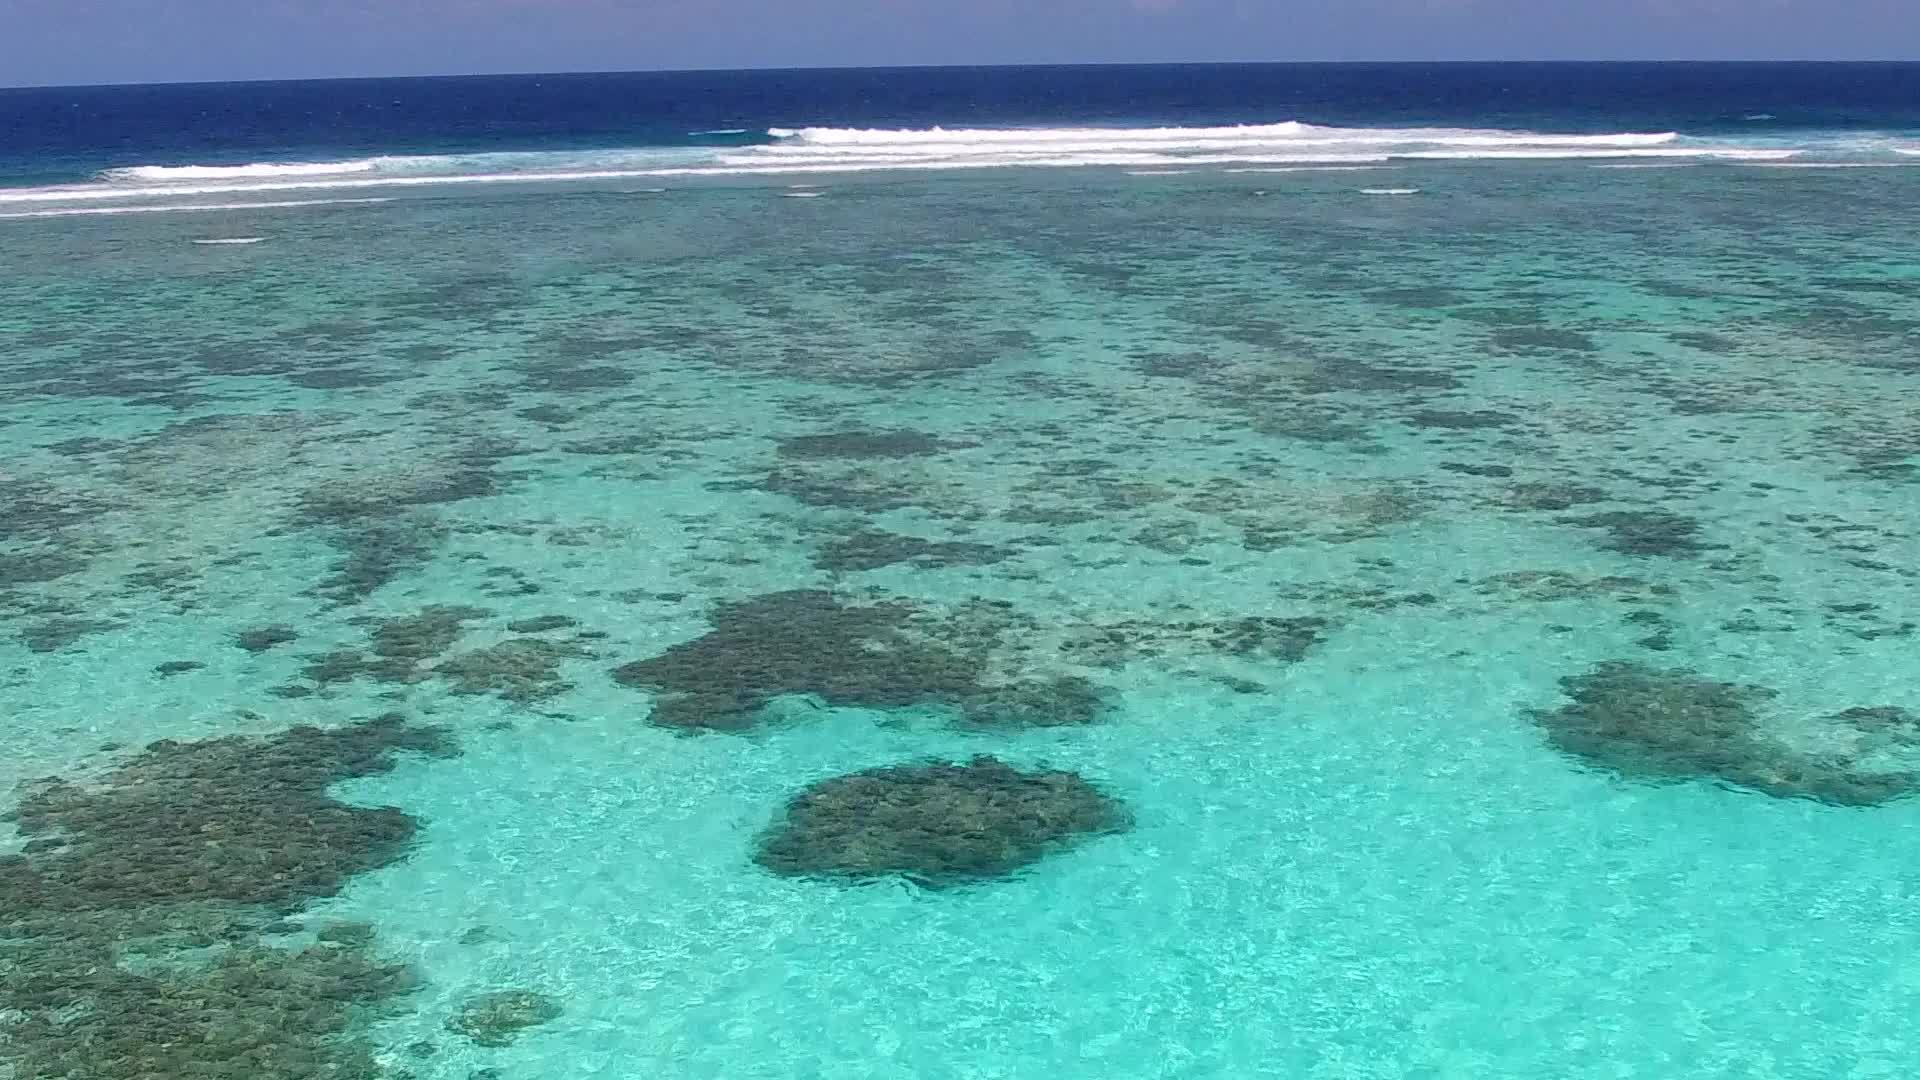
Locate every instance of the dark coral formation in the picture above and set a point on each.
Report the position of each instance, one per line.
(1468, 468)
(42, 511)
(261, 638)
(540, 624)
(564, 378)
(414, 648)
(417, 638)
(200, 847)
(498, 1017)
(249, 1011)
(1534, 339)
(470, 475)
(808, 642)
(871, 549)
(237, 820)
(385, 529)
(800, 642)
(400, 645)
(1460, 420)
(1060, 701)
(38, 567)
(1646, 533)
(937, 825)
(1347, 374)
(377, 552)
(1256, 637)
(1673, 725)
(520, 670)
(860, 445)
(858, 488)
(1552, 496)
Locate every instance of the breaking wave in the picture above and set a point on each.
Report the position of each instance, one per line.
(182, 208)
(779, 152)
(165, 173)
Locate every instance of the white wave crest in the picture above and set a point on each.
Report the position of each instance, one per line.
(183, 208)
(1290, 132)
(165, 173)
(1312, 168)
(1827, 164)
(827, 151)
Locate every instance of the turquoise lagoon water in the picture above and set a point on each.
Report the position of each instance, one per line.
(1130, 411)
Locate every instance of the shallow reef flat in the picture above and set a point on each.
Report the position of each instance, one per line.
(725, 635)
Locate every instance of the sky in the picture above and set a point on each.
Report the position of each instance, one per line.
(53, 42)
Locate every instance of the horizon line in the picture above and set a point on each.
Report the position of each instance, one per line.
(589, 73)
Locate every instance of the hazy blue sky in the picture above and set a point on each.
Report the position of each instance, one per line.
(69, 41)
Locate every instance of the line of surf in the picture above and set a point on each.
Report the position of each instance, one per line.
(750, 166)
(1288, 131)
(832, 150)
(187, 173)
(183, 208)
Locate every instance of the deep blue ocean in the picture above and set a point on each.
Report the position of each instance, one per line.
(66, 134)
(1335, 572)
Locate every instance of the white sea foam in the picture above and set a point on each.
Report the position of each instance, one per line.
(1291, 131)
(720, 131)
(1826, 164)
(225, 241)
(184, 208)
(825, 151)
(167, 173)
(1389, 191)
(1312, 168)
(1527, 153)
(802, 194)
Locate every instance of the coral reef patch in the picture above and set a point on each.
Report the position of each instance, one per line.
(236, 820)
(882, 655)
(860, 445)
(937, 824)
(132, 924)
(497, 1017)
(1670, 725)
(410, 649)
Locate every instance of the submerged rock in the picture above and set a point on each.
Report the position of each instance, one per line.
(937, 825)
(1062, 701)
(518, 669)
(871, 549)
(1253, 637)
(1673, 725)
(540, 624)
(1646, 533)
(801, 642)
(185, 857)
(250, 1011)
(235, 819)
(861, 444)
(261, 638)
(498, 1018)
(415, 638)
